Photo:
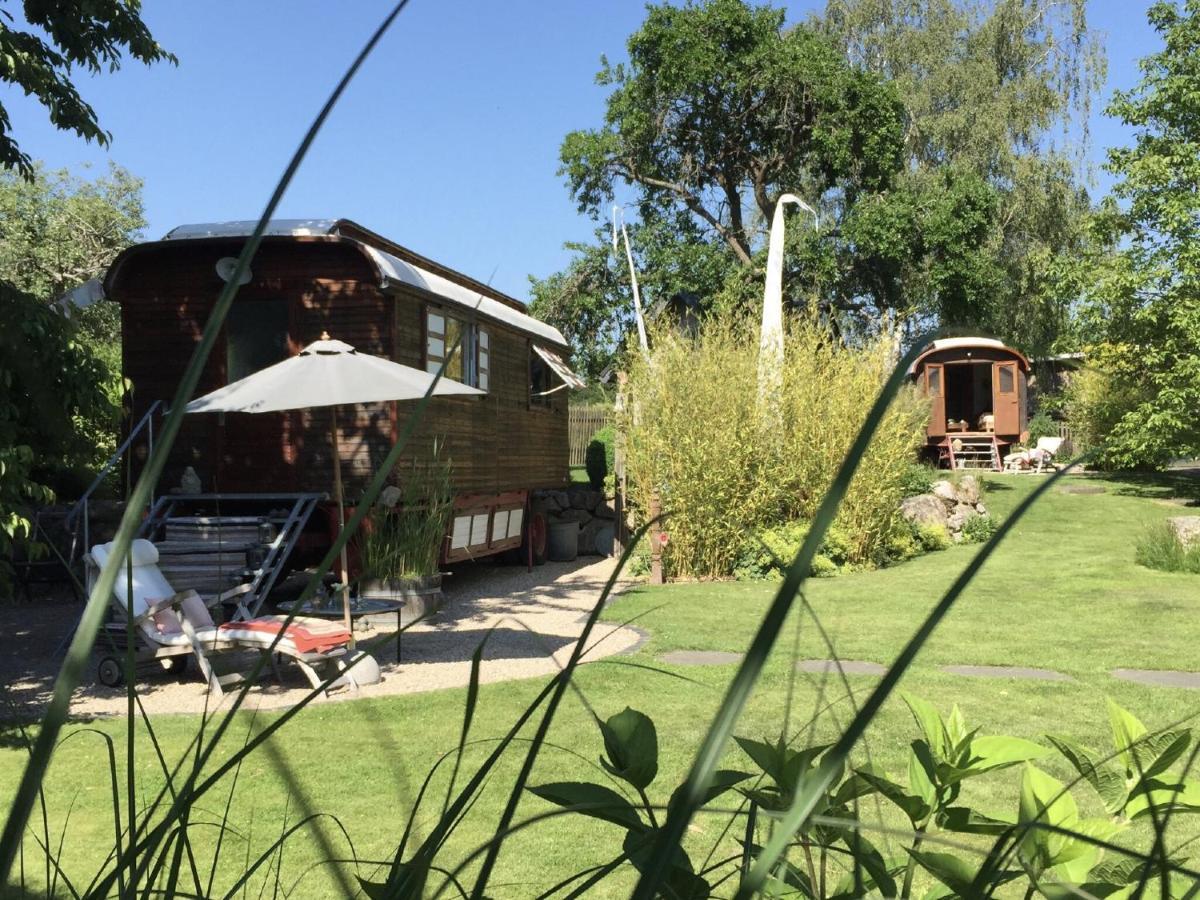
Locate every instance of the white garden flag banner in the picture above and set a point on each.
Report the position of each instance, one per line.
(770, 345)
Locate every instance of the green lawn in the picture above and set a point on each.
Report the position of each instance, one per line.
(1062, 593)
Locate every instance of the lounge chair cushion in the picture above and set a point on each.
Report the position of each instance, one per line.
(306, 635)
(166, 622)
(142, 552)
(148, 582)
(193, 609)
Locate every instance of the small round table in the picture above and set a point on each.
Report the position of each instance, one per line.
(359, 608)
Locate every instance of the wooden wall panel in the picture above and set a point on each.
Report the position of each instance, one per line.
(494, 443)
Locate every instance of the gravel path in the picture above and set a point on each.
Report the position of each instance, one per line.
(534, 619)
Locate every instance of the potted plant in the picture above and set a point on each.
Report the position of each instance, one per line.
(401, 544)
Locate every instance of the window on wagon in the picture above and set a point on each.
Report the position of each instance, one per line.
(548, 375)
(464, 346)
(256, 336)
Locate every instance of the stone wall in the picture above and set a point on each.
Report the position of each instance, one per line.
(591, 509)
(947, 504)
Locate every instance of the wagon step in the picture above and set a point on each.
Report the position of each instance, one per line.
(211, 554)
(971, 453)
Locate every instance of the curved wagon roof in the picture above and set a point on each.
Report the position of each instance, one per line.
(967, 344)
(393, 265)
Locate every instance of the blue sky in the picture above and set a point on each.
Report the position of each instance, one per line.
(447, 142)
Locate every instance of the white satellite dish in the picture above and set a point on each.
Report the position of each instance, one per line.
(225, 267)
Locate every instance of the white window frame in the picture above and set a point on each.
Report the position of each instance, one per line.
(476, 349)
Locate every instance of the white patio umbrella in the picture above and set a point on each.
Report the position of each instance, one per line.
(327, 373)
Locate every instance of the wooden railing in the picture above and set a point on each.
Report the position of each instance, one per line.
(582, 423)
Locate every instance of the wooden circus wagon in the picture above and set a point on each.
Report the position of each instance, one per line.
(977, 388)
(314, 276)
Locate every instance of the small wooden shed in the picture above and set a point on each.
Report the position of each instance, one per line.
(977, 388)
(314, 276)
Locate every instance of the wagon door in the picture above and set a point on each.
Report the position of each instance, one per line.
(935, 390)
(1006, 398)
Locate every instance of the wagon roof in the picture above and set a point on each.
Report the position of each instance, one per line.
(394, 265)
(966, 343)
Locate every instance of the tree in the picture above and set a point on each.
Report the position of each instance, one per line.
(1146, 309)
(921, 129)
(53, 385)
(719, 110)
(720, 107)
(985, 88)
(591, 300)
(58, 230)
(88, 34)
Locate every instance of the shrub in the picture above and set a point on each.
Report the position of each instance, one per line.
(1109, 406)
(403, 539)
(1159, 547)
(1041, 426)
(600, 458)
(902, 544)
(933, 536)
(725, 466)
(978, 529)
(918, 478)
(769, 552)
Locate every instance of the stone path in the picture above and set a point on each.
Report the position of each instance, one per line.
(530, 619)
(1159, 677)
(848, 666)
(1006, 672)
(1153, 677)
(700, 657)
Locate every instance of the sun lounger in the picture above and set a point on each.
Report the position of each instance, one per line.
(169, 626)
(1036, 460)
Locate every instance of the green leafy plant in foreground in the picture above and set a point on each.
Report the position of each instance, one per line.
(631, 757)
(1044, 842)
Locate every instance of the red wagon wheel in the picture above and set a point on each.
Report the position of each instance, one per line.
(533, 548)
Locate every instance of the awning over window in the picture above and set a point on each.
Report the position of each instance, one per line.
(561, 369)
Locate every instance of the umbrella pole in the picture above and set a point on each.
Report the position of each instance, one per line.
(341, 505)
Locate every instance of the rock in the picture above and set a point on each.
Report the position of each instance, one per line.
(924, 509)
(968, 489)
(958, 518)
(390, 496)
(570, 515)
(605, 511)
(980, 508)
(946, 492)
(1186, 528)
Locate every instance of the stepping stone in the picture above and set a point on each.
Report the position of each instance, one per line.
(849, 666)
(1082, 489)
(700, 657)
(1159, 677)
(1006, 672)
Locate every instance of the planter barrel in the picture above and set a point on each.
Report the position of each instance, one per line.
(420, 596)
(562, 543)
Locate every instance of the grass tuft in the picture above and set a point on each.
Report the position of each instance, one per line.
(1159, 547)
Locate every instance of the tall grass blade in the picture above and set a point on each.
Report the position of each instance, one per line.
(563, 681)
(468, 716)
(708, 757)
(810, 791)
(81, 646)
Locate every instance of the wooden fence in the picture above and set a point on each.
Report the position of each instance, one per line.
(583, 422)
